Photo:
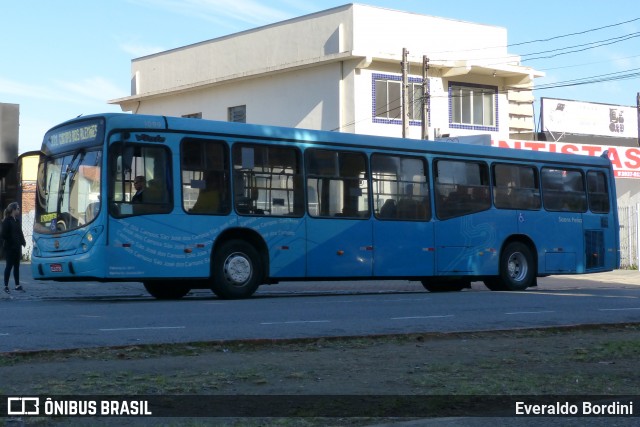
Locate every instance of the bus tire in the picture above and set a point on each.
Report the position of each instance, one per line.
(166, 290)
(517, 267)
(494, 283)
(237, 270)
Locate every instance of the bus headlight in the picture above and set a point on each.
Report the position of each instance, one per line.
(35, 250)
(90, 238)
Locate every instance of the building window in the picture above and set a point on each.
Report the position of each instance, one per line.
(238, 114)
(473, 107)
(387, 99)
(192, 116)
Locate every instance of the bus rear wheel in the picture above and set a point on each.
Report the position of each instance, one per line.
(517, 269)
(237, 270)
(166, 290)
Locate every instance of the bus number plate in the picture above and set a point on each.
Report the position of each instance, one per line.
(56, 268)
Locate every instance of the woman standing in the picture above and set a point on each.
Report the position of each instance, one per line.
(13, 241)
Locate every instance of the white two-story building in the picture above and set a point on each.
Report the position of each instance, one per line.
(340, 69)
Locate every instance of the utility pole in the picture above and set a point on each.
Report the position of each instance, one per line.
(405, 93)
(425, 97)
(638, 109)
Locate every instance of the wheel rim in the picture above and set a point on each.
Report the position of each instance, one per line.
(237, 269)
(517, 267)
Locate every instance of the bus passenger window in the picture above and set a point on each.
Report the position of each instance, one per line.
(515, 187)
(337, 184)
(598, 192)
(400, 187)
(129, 161)
(267, 180)
(462, 188)
(563, 190)
(205, 177)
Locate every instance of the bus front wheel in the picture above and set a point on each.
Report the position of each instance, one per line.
(237, 270)
(166, 290)
(517, 268)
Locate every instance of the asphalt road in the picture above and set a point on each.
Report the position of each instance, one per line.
(52, 315)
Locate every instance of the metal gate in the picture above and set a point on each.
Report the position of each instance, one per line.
(629, 219)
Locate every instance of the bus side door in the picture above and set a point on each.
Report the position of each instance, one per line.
(403, 230)
(466, 233)
(339, 230)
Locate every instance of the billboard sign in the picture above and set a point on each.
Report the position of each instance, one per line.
(587, 118)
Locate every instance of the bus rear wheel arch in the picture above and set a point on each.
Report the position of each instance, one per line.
(237, 270)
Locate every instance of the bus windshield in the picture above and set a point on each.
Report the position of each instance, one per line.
(68, 191)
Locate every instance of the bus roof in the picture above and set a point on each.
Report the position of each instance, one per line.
(307, 136)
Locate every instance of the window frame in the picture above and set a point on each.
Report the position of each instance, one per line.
(464, 204)
(125, 208)
(247, 199)
(207, 171)
(332, 180)
(415, 116)
(470, 123)
(519, 191)
(591, 195)
(553, 197)
(233, 114)
(403, 207)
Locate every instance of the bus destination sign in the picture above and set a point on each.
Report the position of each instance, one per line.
(85, 133)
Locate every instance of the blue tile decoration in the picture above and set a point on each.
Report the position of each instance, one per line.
(453, 125)
(379, 76)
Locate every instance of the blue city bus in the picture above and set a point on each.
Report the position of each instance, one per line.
(230, 206)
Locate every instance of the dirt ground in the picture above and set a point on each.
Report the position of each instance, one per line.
(567, 361)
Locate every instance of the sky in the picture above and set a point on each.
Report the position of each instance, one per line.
(65, 58)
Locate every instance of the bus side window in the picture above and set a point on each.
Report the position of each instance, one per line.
(132, 160)
(267, 180)
(205, 177)
(400, 187)
(338, 181)
(598, 192)
(462, 187)
(515, 187)
(563, 190)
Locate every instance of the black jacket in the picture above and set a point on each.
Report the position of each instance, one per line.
(12, 235)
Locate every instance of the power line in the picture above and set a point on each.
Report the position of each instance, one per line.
(585, 46)
(587, 63)
(573, 34)
(591, 45)
(539, 40)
